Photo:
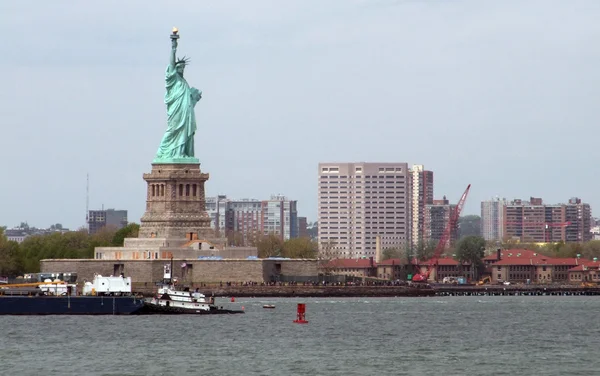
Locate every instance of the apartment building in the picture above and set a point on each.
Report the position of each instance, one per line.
(420, 195)
(279, 217)
(243, 221)
(216, 207)
(437, 218)
(533, 221)
(358, 202)
(492, 219)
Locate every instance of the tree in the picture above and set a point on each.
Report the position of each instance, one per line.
(469, 225)
(326, 255)
(591, 249)
(11, 263)
(269, 246)
(129, 231)
(470, 249)
(425, 250)
(392, 253)
(300, 248)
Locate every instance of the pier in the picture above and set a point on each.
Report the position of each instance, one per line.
(518, 290)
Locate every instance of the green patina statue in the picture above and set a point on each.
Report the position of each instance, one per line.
(177, 145)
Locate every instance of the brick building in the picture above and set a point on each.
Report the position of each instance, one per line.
(535, 222)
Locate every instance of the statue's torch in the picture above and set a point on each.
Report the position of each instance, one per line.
(175, 36)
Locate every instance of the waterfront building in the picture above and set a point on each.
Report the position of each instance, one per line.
(358, 202)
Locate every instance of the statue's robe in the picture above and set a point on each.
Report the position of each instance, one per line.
(178, 140)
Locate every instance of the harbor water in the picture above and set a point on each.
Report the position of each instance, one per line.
(499, 335)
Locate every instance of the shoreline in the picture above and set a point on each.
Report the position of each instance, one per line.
(385, 291)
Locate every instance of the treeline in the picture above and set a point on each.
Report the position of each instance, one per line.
(273, 246)
(16, 259)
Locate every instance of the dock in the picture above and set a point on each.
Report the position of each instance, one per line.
(518, 290)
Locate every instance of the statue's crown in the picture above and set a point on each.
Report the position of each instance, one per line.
(184, 60)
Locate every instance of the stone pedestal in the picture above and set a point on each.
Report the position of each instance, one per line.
(175, 204)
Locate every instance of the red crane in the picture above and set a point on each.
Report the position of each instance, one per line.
(441, 246)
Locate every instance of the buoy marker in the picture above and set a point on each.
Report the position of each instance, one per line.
(301, 314)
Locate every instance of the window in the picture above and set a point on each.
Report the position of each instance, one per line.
(180, 189)
(187, 189)
(194, 187)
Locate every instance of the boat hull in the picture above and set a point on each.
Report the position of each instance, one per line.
(70, 305)
(155, 309)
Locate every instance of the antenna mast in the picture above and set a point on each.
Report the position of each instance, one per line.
(87, 198)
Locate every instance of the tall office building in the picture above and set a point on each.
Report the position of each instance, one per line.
(421, 195)
(492, 217)
(98, 219)
(358, 202)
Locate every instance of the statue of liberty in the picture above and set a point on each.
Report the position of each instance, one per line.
(177, 145)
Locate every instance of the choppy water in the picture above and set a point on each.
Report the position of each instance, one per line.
(366, 336)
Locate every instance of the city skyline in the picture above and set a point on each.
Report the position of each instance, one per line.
(351, 81)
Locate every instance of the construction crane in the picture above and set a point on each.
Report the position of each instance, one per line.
(441, 246)
(544, 225)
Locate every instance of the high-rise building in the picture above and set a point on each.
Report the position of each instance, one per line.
(216, 207)
(492, 218)
(533, 221)
(357, 202)
(437, 218)
(280, 217)
(421, 195)
(303, 228)
(98, 219)
(243, 221)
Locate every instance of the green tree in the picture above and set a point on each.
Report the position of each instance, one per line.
(300, 248)
(471, 249)
(425, 250)
(129, 231)
(469, 225)
(591, 249)
(269, 246)
(392, 253)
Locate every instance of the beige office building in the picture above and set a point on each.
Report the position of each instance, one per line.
(360, 201)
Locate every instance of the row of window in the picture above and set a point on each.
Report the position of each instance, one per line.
(159, 190)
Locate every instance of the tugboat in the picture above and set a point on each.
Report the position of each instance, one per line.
(169, 300)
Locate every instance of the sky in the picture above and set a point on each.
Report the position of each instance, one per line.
(502, 95)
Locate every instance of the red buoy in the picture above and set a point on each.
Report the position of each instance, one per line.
(232, 299)
(301, 318)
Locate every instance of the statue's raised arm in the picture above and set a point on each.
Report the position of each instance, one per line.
(174, 38)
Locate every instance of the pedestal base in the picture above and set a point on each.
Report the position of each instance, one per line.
(175, 204)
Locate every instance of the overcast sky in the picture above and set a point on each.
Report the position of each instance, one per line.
(500, 94)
